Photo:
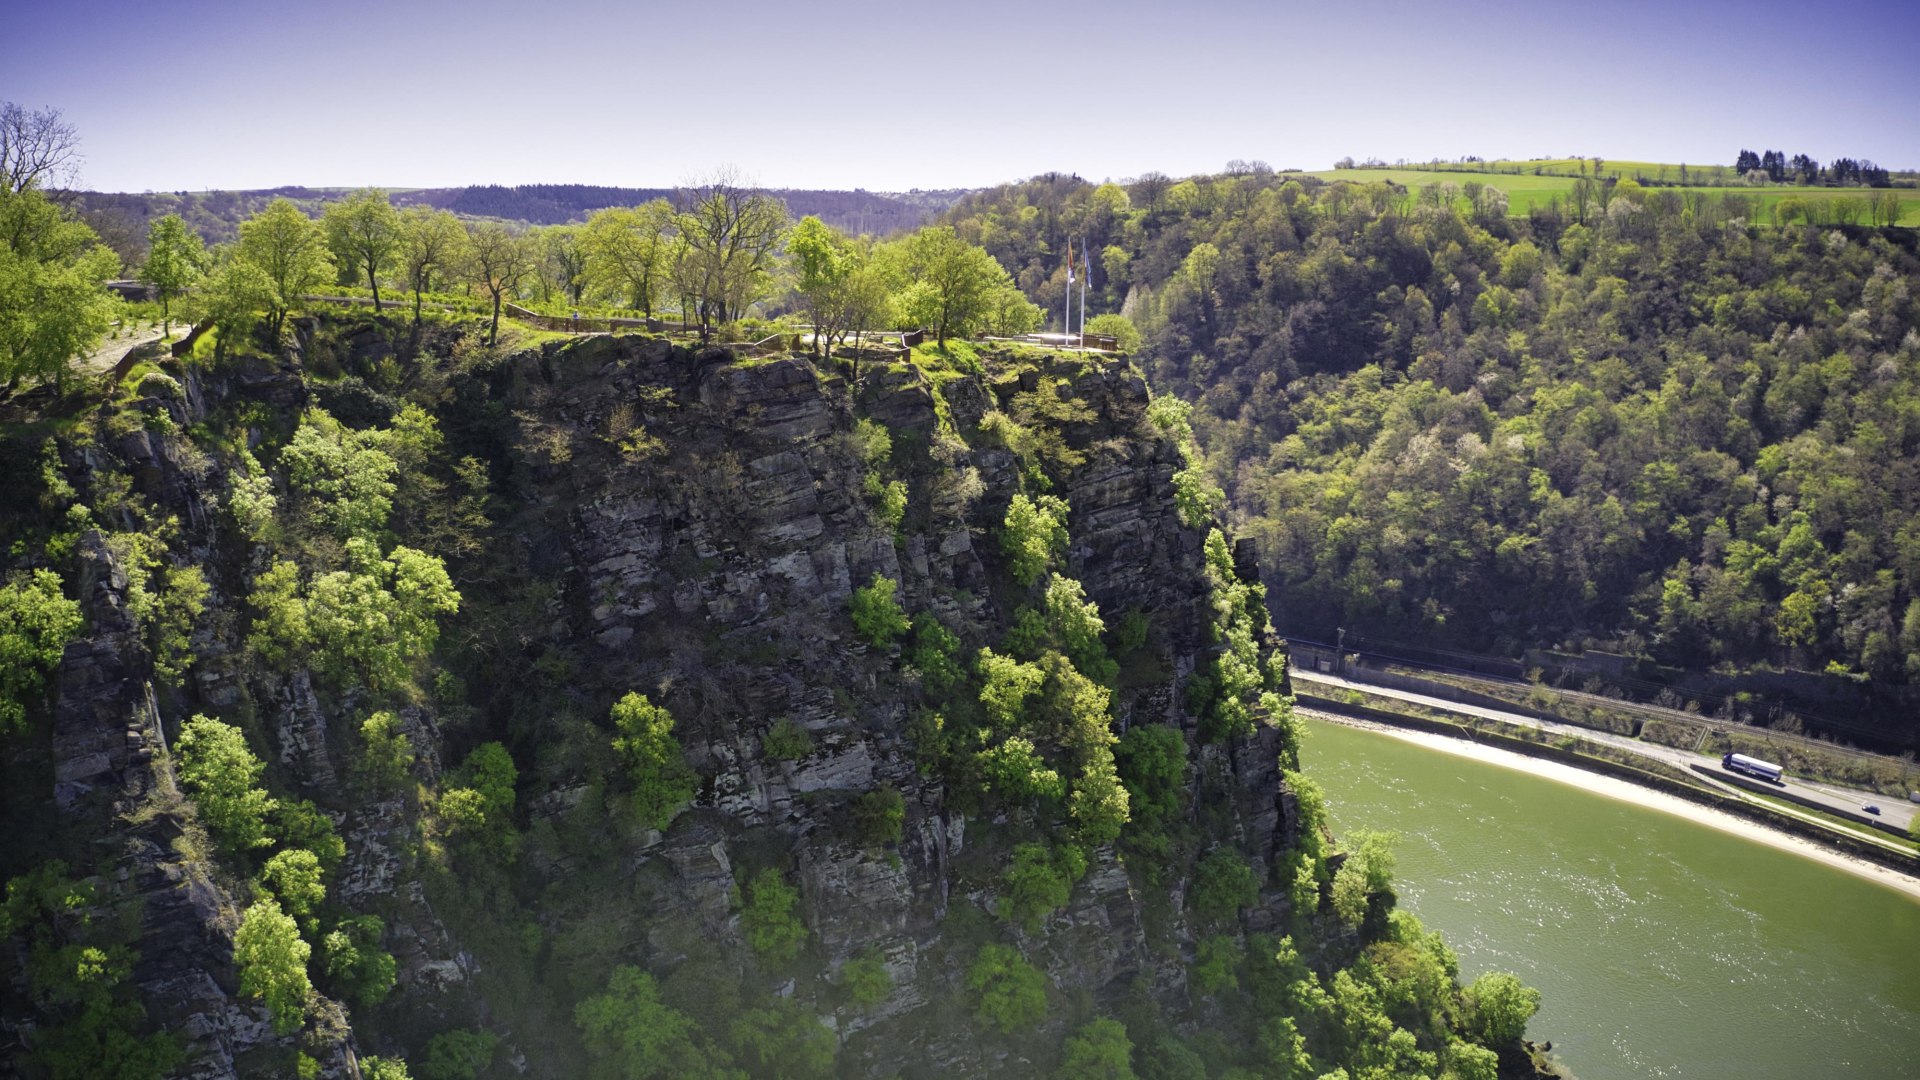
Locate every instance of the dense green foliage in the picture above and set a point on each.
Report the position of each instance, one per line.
(1100, 1050)
(89, 1022)
(36, 622)
(52, 303)
(1646, 420)
(633, 1035)
(272, 961)
(222, 776)
(458, 1055)
(355, 964)
(1009, 993)
(767, 916)
(1035, 535)
(1501, 1006)
(877, 614)
(1039, 882)
(643, 740)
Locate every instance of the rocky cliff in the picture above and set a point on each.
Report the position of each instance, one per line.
(621, 515)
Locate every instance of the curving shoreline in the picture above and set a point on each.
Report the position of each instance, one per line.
(1625, 791)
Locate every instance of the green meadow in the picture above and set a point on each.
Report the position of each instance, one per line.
(1528, 188)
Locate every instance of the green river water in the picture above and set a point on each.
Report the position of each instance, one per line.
(1662, 948)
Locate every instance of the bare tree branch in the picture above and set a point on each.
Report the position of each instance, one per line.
(37, 149)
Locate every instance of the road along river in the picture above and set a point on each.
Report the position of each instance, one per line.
(1663, 948)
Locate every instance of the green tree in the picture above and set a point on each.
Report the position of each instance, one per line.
(785, 1041)
(631, 1034)
(372, 621)
(563, 260)
(346, 475)
(53, 301)
(1033, 535)
(934, 647)
(767, 917)
(231, 297)
(643, 741)
(824, 261)
(293, 878)
(626, 251)
(36, 622)
(1039, 882)
(866, 979)
(384, 1068)
(879, 816)
(953, 284)
(731, 233)
(497, 258)
(385, 760)
(1223, 883)
(1005, 686)
(1100, 1050)
(1152, 761)
(1118, 327)
(220, 774)
(1009, 993)
(1465, 1061)
(431, 248)
(459, 1055)
(272, 961)
(364, 232)
(1367, 872)
(355, 963)
(289, 250)
(786, 741)
(877, 615)
(175, 259)
(167, 601)
(1499, 1006)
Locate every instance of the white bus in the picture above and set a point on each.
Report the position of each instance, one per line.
(1741, 763)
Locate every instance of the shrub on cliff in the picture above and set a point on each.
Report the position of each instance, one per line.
(1033, 535)
(1009, 993)
(36, 622)
(772, 927)
(1100, 1050)
(876, 613)
(643, 740)
(220, 773)
(1498, 1007)
(273, 963)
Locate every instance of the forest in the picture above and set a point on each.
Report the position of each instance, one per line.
(1648, 421)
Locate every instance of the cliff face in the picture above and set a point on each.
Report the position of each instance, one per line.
(691, 526)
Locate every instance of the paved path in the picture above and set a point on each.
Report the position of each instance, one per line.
(1897, 812)
(112, 350)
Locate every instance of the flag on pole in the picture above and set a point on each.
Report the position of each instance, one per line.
(1069, 260)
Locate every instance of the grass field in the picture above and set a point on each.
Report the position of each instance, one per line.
(1525, 189)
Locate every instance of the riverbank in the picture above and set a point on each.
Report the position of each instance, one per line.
(1625, 791)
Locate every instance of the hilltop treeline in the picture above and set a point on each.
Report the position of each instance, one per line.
(856, 212)
(1649, 422)
(1805, 170)
(121, 218)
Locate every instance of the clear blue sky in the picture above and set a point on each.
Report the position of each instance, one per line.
(172, 94)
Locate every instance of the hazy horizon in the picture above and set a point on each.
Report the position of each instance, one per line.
(218, 95)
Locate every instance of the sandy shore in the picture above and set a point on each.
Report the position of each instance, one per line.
(1614, 788)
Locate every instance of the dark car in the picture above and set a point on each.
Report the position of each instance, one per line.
(1871, 809)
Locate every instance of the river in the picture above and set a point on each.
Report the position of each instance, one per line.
(1661, 948)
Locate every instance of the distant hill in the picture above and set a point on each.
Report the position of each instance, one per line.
(121, 217)
(857, 211)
